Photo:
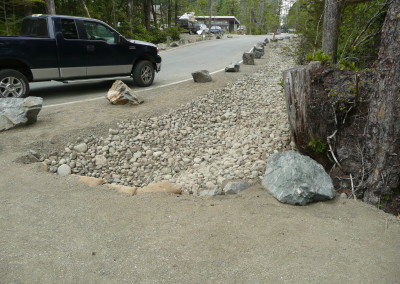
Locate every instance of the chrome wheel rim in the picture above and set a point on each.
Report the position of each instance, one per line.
(146, 74)
(11, 87)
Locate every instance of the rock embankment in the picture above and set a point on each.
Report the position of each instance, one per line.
(225, 135)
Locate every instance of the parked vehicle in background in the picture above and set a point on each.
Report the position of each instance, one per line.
(201, 29)
(241, 30)
(216, 30)
(64, 48)
(187, 23)
(187, 26)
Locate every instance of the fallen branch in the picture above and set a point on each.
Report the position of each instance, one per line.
(352, 187)
(331, 149)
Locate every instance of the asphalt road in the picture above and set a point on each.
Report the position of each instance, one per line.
(177, 65)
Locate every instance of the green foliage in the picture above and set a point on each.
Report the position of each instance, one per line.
(128, 17)
(345, 64)
(306, 17)
(359, 35)
(174, 33)
(317, 145)
(319, 55)
(13, 11)
(155, 35)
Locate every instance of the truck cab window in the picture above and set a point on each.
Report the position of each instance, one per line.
(68, 29)
(97, 31)
(34, 28)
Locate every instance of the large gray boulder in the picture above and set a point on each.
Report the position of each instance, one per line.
(121, 94)
(202, 76)
(296, 179)
(19, 111)
(258, 54)
(233, 67)
(248, 58)
(260, 45)
(258, 50)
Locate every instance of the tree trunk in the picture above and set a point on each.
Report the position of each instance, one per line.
(176, 12)
(114, 10)
(383, 132)
(28, 8)
(130, 16)
(50, 7)
(330, 35)
(153, 10)
(85, 8)
(146, 13)
(210, 19)
(169, 13)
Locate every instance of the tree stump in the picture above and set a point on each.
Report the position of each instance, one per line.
(310, 112)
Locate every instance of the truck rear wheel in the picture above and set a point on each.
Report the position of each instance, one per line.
(143, 73)
(13, 84)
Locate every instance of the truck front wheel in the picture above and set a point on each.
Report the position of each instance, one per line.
(13, 84)
(143, 73)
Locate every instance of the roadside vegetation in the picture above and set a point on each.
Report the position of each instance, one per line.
(149, 20)
(360, 26)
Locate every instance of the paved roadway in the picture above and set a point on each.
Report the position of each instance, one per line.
(177, 65)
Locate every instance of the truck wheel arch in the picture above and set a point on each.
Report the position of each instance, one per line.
(18, 65)
(141, 58)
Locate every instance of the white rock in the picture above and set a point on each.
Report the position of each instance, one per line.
(210, 185)
(100, 160)
(64, 170)
(81, 148)
(157, 154)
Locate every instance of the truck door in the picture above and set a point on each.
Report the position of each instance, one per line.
(105, 55)
(71, 49)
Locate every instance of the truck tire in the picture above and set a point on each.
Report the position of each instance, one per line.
(143, 73)
(13, 84)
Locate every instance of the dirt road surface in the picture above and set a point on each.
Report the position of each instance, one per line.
(55, 230)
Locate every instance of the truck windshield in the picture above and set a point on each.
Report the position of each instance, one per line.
(34, 27)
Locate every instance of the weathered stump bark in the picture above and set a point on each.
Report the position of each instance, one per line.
(311, 116)
(327, 116)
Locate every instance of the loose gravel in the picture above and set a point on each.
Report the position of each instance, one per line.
(225, 135)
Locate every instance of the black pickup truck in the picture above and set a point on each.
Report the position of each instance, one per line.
(64, 48)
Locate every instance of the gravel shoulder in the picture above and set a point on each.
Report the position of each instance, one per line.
(54, 229)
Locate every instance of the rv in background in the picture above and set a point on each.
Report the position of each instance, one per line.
(188, 23)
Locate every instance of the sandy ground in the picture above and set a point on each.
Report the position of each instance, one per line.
(55, 230)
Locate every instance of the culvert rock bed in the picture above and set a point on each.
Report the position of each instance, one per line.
(225, 135)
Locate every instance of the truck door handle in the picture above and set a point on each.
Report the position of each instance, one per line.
(90, 48)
